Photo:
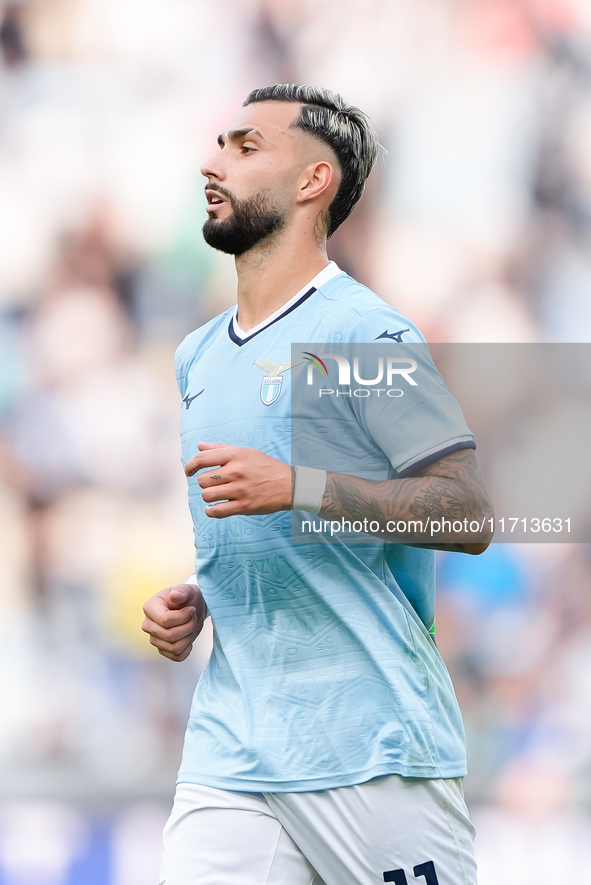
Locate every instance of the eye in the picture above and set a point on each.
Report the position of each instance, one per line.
(246, 149)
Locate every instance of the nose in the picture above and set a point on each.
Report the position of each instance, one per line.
(213, 168)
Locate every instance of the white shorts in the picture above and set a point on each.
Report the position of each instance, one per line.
(390, 829)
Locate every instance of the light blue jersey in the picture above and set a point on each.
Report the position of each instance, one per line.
(323, 672)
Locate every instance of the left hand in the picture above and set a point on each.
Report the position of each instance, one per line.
(245, 480)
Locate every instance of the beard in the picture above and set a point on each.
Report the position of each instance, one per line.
(252, 221)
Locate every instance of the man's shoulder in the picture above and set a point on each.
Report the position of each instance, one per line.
(198, 340)
(203, 334)
(363, 313)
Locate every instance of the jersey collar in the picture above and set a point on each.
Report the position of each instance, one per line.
(240, 337)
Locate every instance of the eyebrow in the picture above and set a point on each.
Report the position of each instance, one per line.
(236, 134)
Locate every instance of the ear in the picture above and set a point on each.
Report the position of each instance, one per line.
(315, 180)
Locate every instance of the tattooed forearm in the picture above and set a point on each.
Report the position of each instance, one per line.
(450, 489)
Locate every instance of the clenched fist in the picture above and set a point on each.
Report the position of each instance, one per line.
(174, 619)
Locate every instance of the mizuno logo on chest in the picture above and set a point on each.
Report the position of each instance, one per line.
(189, 399)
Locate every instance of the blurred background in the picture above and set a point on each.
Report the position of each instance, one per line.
(477, 224)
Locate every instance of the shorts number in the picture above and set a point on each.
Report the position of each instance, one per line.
(396, 876)
(423, 869)
(428, 871)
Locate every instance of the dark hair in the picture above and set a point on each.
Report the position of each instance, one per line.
(346, 129)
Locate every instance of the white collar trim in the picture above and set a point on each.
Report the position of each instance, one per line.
(331, 270)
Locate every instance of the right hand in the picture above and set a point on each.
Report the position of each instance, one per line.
(174, 619)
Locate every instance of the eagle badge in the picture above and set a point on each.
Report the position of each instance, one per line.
(273, 380)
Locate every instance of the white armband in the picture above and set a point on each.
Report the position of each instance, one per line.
(193, 580)
(309, 488)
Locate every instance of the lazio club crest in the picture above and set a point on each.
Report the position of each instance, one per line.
(272, 382)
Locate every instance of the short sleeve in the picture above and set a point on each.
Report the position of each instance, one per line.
(410, 414)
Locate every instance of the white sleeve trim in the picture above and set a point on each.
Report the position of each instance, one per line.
(309, 488)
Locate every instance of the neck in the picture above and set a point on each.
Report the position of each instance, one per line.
(272, 273)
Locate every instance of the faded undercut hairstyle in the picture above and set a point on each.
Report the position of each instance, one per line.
(346, 129)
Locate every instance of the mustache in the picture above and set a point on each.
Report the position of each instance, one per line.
(221, 190)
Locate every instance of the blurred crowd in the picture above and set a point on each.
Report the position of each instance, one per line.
(476, 223)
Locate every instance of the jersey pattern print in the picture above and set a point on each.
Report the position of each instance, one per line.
(323, 672)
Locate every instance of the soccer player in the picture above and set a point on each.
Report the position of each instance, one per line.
(324, 743)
